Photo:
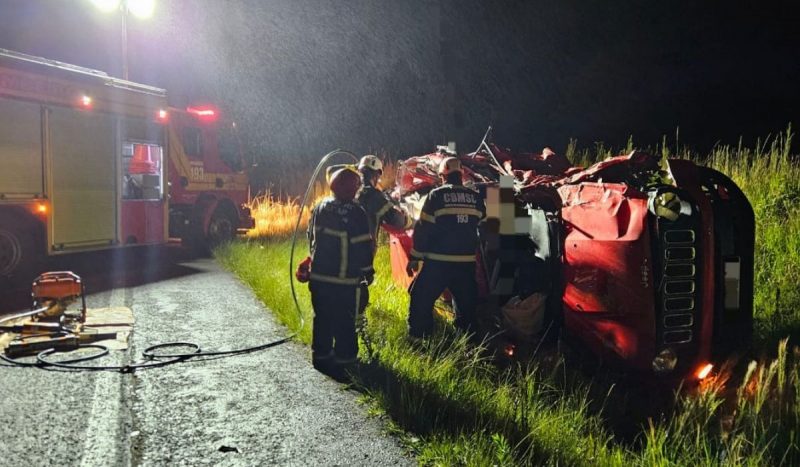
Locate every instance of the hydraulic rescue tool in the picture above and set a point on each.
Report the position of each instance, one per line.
(52, 322)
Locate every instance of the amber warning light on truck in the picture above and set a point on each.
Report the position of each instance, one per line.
(162, 116)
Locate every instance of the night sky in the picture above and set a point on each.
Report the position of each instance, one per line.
(303, 77)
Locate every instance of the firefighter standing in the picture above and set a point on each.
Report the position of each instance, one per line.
(445, 242)
(341, 260)
(380, 209)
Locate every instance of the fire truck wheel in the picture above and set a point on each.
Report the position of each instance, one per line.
(17, 251)
(221, 228)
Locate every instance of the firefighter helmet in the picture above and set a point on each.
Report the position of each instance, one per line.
(334, 168)
(449, 165)
(345, 183)
(370, 162)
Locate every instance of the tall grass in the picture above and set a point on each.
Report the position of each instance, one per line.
(770, 177)
(275, 217)
(276, 214)
(462, 410)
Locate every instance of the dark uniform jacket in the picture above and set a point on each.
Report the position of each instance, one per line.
(447, 229)
(381, 210)
(340, 241)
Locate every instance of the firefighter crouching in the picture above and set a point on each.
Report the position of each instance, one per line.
(341, 260)
(445, 243)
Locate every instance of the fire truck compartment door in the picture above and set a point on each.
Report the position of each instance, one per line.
(20, 149)
(84, 175)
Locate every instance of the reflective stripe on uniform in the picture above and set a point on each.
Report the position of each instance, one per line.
(427, 217)
(334, 232)
(345, 361)
(343, 261)
(417, 254)
(386, 207)
(335, 280)
(323, 358)
(344, 253)
(450, 258)
(457, 211)
(361, 238)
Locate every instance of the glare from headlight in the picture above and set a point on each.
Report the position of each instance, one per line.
(665, 361)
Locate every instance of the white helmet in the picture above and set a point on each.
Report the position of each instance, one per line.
(370, 162)
(449, 165)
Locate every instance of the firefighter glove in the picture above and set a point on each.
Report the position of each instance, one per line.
(303, 273)
(414, 265)
(368, 278)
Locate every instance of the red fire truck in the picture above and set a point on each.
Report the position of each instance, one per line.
(94, 162)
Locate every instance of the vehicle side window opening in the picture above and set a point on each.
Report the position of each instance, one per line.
(229, 147)
(192, 140)
(142, 171)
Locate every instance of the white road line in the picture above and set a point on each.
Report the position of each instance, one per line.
(101, 444)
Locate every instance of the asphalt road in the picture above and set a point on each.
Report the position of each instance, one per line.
(264, 408)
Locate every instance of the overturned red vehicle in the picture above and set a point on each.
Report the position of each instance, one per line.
(645, 260)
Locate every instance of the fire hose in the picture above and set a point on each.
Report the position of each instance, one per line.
(154, 359)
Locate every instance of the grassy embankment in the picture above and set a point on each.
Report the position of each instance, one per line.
(453, 407)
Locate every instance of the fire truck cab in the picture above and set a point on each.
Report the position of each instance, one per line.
(93, 162)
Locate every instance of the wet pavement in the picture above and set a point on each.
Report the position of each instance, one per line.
(263, 408)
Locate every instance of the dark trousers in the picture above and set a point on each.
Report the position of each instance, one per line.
(334, 327)
(432, 280)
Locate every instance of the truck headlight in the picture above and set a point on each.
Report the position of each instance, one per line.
(665, 361)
